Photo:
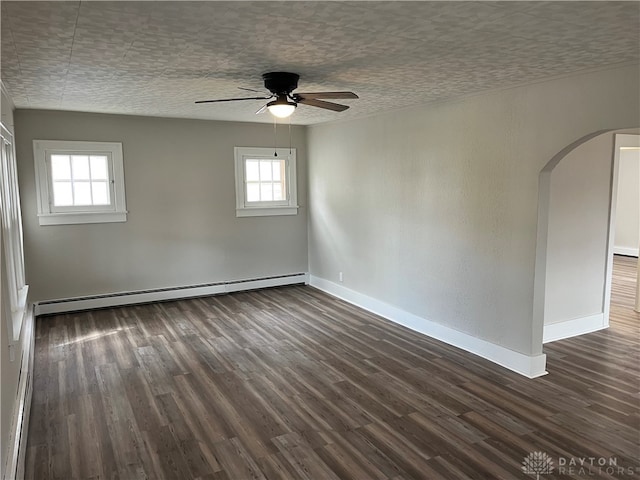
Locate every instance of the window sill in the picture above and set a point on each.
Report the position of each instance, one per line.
(265, 211)
(83, 217)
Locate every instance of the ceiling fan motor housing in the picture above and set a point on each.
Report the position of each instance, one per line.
(280, 83)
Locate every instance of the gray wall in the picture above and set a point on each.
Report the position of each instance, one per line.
(433, 209)
(627, 233)
(580, 194)
(181, 229)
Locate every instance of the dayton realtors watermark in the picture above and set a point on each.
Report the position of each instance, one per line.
(540, 463)
(591, 466)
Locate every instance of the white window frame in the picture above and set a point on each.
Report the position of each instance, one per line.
(13, 265)
(261, 209)
(50, 215)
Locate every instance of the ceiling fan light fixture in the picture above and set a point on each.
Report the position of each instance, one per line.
(281, 108)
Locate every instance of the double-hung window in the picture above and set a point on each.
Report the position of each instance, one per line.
(12, 237)
(79, 182)
(265, 181)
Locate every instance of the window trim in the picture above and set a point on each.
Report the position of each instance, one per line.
(11, 234)
(261, 209)
(117, 212)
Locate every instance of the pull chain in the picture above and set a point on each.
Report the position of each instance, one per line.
(275, 138)
(289, 135)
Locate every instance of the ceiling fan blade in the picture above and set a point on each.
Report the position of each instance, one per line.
(336, 107)
(262, 110)
(233, 99)
(250, 89)
(328, 95)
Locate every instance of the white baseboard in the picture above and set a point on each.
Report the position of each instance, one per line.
(17, 448)
(159, 295)
(530, 366)
(626, 251)
(572, 328)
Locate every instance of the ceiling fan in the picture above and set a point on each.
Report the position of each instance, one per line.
(281, 85)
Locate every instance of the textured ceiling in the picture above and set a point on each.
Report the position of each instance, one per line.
(157, 58)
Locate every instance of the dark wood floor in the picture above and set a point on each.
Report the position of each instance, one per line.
(290, 383)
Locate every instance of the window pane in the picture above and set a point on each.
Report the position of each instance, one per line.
(277, 191)
(276, 169)
(265, 170)
(100, 192)
(266, 192)
(81, 193)
(80, 166)
(253, 192)
(99, 167)
(252, 171)
(62, 194)
(60, 169)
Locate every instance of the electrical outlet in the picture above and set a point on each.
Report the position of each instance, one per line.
(340, 277)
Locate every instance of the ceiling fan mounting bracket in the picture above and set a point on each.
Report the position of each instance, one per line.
(280, 83)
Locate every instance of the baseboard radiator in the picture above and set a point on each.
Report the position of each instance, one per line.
(164, 294)
(17, 442)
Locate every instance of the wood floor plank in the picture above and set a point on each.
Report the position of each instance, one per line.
(290, 383)
(304, 460)
(237, 461)
(126, 438)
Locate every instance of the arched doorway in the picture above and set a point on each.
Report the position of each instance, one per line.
(574, 254)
